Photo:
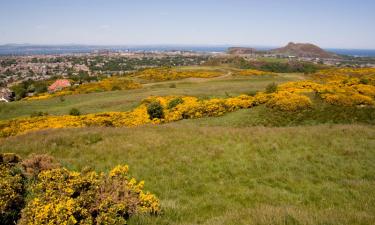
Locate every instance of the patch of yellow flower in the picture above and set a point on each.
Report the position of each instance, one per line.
(11, 190)
(108, 84)
(61, 196)
(299, 86)
(344, 73)
(252, 72)
(164, 73)
(288, 101)
(344, 86)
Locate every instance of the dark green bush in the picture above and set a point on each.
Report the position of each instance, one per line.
(155, 110)
(74, 112)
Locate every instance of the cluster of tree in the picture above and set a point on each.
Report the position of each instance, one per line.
(7, 62)
(27, 87)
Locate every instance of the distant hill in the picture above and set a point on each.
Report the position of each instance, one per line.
(303, 50)
(241, 50)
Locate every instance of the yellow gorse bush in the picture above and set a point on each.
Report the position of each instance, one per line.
(344, 73)
(287, 101)
(108, 84)
(347, 99)
(11, 189)
(252, 72)
(61, 196)
(345, 86)
(164, 73)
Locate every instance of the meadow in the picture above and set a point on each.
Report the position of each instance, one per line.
(251, 166)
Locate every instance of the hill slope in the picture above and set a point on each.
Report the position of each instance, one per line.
(303, 50)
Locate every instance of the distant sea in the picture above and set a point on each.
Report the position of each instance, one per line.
(6, 50)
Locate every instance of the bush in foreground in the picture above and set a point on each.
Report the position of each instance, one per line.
(59, 196)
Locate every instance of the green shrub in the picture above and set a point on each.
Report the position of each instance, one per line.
(271, 88)
(155, 110)
(74, 112)
(364, 81)
(174, 102)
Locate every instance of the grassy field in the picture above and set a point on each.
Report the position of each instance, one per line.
(125, 100)
(253, 166)
(216, 174)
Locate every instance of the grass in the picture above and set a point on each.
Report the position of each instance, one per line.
(217, 174)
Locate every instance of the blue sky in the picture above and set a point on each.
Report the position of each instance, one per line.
(328, 23)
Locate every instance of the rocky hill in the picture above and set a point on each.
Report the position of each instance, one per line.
(303, 50)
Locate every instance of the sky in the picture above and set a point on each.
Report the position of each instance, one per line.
(327, 23)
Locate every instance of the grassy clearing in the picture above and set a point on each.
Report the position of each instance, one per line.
(230, 175)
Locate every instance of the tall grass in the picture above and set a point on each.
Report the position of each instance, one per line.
(217, 174)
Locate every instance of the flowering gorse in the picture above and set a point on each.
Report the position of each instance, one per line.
(56, 195)
(253, 72)
(345, 86)
(165, 73)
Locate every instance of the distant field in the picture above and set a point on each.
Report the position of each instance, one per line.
(125, 100)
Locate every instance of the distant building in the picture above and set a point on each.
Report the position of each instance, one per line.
(59, 85)
(6, 95)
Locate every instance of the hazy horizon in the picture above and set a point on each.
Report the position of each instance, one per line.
(334, 24)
